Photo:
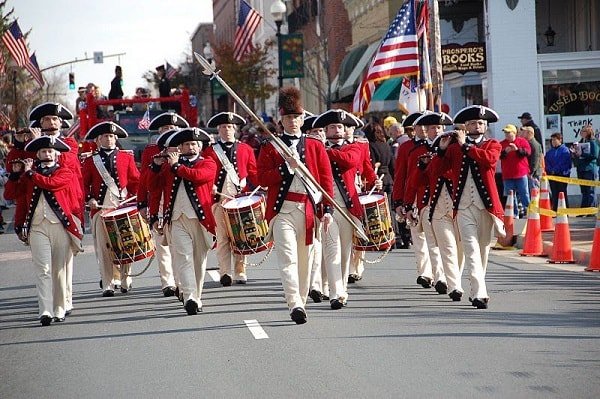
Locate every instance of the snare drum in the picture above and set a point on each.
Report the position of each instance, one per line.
(377, 223)
(247, 227)
(128, 234)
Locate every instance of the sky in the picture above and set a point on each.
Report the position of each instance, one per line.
(147, 31)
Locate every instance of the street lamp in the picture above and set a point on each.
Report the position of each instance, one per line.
(208, 54)
(278, 11)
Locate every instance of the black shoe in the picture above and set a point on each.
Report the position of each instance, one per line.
(441, 287)
(125, 290)
(226, 280)
(455, 295)
(58, 319)
(108, 293)
(353, 278)
(324, 297)
(45, 320)
(336, 304)
(480, 303)
(169, 291)
(68, 312)
(101, 284)
(191, 307)
(316, 296)
(425, 282)
(298, 315)
(241, 281)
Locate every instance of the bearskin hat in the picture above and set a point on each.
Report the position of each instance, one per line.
(290, 101)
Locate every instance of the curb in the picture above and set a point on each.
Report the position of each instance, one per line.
(581, 256)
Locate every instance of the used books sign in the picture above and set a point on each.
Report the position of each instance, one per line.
(463, 58)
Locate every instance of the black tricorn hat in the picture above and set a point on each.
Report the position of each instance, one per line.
(161, 142)
(290, 101)
(475, 112)
(225, 118)
(47, 142)
(335, 116)
(410, 119)
(167, 118)
(105, 128)
(63, 125)
(46, 109)
(359, 122)
(433, 118)
(160, 68)
(309, 119)
(187, 134)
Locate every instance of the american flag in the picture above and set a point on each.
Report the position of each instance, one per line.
(170, 72)
(144, 123)
(2, 62)
(398, 55)
(422, 31)
(15, 43)
(33, 68)
(248, 22)
(72, 130)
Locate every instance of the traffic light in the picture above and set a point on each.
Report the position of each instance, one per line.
(71, 81)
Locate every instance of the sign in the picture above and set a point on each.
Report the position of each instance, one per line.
(469, 57)
(98, 57)
(217, 88)
(582, 96)
(291, 53)
(571, 126)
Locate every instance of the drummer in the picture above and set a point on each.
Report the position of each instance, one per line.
(236, 172)
(162, 123)
(109, 177)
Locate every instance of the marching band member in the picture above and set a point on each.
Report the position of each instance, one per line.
(44, 218)
(185, 181)
(472, 162)
(109, 176)
(290, 205)
(236, 166)
(165, 122)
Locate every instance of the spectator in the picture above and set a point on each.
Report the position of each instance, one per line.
(396, 132)
(164, 85)
(527, 120)
(116, 88)
(515, 166)
(535, 158)
(80, 101)
(382, 157)
(585, 156)
(558, 163)
(140, 93)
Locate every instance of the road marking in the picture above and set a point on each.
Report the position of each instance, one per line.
(256, 329)
(214, 275)
(26, 254)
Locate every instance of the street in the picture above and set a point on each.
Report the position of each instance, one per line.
(538, 339)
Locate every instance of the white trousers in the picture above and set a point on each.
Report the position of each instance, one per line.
(357, 264)
(451, 252)
(333, 260)
(476, 231)
(163, 257)
(420, 249)
(435, 258)
(51, 252)
(225, 256)
(105, 256)
(188, 240)
(316, 274)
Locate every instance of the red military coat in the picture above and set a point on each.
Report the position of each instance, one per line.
(143, 193)
(416, 190)
(242, 159)
(345, 162)
(10, 189)
(400, 171)
(164, 183)
(365, 167)
(127, 176)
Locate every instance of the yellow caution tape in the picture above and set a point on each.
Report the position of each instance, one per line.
(563, 211)
(573, 180)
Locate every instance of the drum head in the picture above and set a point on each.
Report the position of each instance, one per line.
(369, 198)
(242, 202)
(120, 211)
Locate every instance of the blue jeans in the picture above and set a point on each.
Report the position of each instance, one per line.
(520, 190)
(587, 192)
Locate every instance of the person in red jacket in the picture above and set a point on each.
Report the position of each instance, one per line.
(165, 122)
(184, 181)
(291, 206)
(109, 176)
(472, 163)
(236, 166)
(515, 166)
(44, 219)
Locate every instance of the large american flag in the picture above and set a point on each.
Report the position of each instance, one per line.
(398, 55)
(15, 43)
(34, 69)
(144, 123)
(247, 24)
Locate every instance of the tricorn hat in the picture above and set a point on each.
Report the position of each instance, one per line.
(47, 142)
(359, 122)
(160, 68)
(161, 142)
(309, 119)
(225, 118)
(105, 128)
(335, 116)
(475, 112)
(167, 118)
(290, 101)
(47, 109)
(187, 134)
(63, 125)
(433, 118)
(410, 119)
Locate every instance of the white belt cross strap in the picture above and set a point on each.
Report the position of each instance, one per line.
(231, 173)
(106, 177)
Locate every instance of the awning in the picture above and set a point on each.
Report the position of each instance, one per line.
(345, 70)
(386, 96)
(347, 90)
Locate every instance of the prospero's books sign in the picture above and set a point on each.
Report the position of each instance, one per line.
(463, 58)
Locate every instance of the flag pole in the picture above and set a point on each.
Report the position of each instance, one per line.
(436, 47)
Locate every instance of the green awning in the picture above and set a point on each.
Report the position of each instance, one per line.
(345, 70)
(386, 96)
(349, 87)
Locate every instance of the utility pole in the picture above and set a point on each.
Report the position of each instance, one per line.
(76, 60)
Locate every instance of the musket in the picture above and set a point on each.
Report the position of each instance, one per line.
(279, 145)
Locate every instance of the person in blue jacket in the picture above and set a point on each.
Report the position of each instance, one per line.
(558, 163)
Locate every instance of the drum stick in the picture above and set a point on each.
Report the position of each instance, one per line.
(373, 189)
(225, 195)
(254, 191)
(128, 200)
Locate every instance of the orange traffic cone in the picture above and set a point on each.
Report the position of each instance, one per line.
(533, 245)
(562, 252)
(508, 241)
(595, 256)
(545, 221)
